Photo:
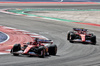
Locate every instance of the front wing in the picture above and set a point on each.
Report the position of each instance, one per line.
(29, 53)
(79, 40)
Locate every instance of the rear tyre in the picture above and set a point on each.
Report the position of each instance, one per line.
(41, 51)
(52, 50)
(93, 40)
(16, 48)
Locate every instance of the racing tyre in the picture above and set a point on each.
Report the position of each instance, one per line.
(68, 35)
(41, 51)
(93, 40)
(15, 48)
(52, 50)
(72, 37)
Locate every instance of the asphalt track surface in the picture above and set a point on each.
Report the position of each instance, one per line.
(69, 54)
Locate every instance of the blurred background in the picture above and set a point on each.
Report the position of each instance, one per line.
(51, 0)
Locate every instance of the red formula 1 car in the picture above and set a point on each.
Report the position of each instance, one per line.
(81, 35)
(39, 47)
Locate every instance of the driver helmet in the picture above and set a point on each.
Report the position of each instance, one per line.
(82, 32)
(36, 39)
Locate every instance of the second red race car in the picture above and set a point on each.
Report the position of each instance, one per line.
(39, 47)
(81, 35)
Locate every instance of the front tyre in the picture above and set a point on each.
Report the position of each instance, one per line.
(68, 35)
(72, 37)
(16, 48)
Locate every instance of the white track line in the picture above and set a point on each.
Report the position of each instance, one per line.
(3, 53)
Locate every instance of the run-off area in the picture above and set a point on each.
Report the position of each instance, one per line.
(3, 37)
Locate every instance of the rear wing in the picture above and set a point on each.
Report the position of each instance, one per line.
(45, 41)
(42, 41)
(80, 29)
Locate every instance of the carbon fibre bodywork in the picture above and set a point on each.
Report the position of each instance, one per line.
(81, 35)
(45, 48)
